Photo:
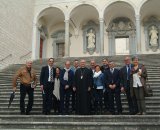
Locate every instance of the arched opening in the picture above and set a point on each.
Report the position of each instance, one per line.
(150, 18)
(120, 25)
(49, 20)
(84, 18)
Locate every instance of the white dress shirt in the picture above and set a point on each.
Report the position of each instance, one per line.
(136, 80)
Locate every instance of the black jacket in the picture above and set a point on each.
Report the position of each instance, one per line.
(111, 79)
(45, 75)
(123, 76)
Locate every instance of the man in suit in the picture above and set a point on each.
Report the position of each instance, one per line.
(125, 85)
(47, 77)
(105, 67)
(113, 87)
(92, 94)
(66, 85)
(74, 68)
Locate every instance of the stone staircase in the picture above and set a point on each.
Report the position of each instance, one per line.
(11, 118)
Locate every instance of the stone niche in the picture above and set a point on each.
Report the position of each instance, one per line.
(121, 27)
(152, 33)
(59, 37)
(91, 38)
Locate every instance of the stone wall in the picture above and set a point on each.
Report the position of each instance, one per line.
(15, 30)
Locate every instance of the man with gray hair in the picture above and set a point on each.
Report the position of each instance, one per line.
(28, 81)
(66, 84)
(125, 74)
(112, 79)
(82, 86)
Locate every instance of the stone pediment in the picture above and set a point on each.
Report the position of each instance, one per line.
(120, 24)
(59, 34)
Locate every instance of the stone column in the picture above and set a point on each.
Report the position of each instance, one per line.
(66, 38)
(35, 42)
(138, 33)
(110, 44)
(101, 21)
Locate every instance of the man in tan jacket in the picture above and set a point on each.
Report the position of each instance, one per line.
(28, 81)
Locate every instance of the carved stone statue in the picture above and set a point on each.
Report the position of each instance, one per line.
(153, 33)
(91, 38)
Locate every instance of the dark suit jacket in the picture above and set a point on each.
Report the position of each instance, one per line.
(92, 81)
(45, 75)
(70, 79)
(123, 76)
(111, 79)
(104, 68)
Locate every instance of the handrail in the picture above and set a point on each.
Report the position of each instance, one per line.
(25, 55)
(6, 57)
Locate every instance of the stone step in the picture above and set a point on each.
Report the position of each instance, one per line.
(6, 89)
(78, 118)
(39, 108)
(39, 95)
(15, 103)
(150, 100)
(33, 112)
(81, 125)
(39, 105)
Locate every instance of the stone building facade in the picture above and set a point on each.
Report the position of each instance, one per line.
(79, 28)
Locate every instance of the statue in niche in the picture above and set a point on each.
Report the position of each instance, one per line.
(91, 39)
(153, 33)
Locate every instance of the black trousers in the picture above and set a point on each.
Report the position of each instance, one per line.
(47, 97)
(98, 100)
(106, 100)
(132, 102)
(56, 104)
(114, 94)
(64, 100)
(73, 100)
(23, 91)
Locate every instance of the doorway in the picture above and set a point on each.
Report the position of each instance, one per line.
(60, 49)
(122, 46)
(41, 48)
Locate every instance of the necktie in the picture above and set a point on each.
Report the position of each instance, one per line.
(51, 74)
(128, 73)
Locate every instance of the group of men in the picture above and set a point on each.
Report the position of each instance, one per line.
(77, 80)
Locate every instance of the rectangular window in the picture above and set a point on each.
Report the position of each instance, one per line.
(60, 49)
